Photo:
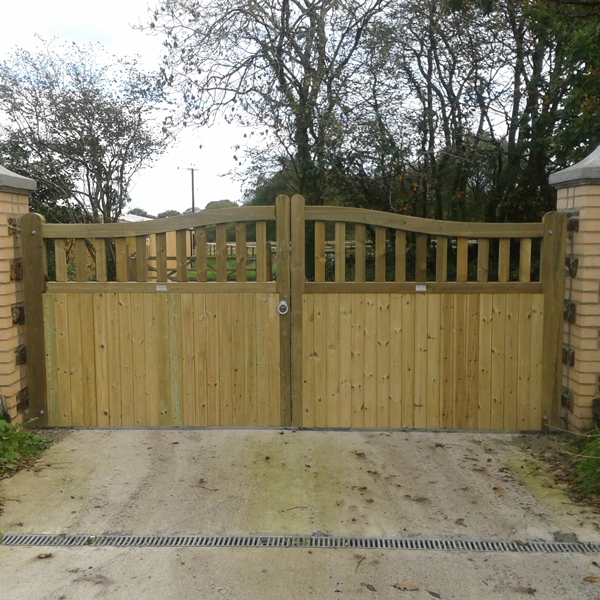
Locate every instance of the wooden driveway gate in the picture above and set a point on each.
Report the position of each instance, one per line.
(368, 343)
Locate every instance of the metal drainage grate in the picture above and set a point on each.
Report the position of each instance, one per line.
(297, 541)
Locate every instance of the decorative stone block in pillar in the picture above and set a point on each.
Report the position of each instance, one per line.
(579, 196)
(14, 202)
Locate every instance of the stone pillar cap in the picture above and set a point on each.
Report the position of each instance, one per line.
(12, 181)
(585, 172)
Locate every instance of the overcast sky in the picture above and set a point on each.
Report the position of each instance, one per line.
(167, 184)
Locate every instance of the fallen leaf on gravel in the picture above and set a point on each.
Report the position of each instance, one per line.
(307, 466)
(373, 472)
(421, 499)
(45, 555)
(202, 480)
(359, 454)
(405, 586)
(434, 594)
(460, 522)
(479, 469)
(524, 590)
(370, 500)
(370, 587)
(591, 578)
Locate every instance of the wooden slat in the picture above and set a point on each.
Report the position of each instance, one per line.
(151, 355)
(213, 353)
(524, 363)
(320, 359)
(51, 361)
(225, 360)
(434, 315)
(221, 241)
(345, 359)
(188, 365)
(126, 359)
(114, 360)
(80, 260)
(370, 361)
(441, 258)
(395, 392)
(238, 363)
(537, 356)
(60, 258)
(278, 413)
(319, 250)
(175, 358)
(161, 257)
(459, 348)
(472, 362)
(511, 361)
(75, 365)
(462, 259)
(163, 348)
(447, 361)
(421, 341)
(290, 285)
(400, 274)
(419, 225)
(201, 348)
(34, 282)
(383, 361)
(504, 260)
(408, 361)
(483, 259)
(308, 396)
(249, 323)
(101, 270)
(121, 258)
(200, 236)
(380, 253)
(101, 360)
(484, 384)
(88, 368)
(141, 261)
(333, 361)
(262, 359)
(63, 364)
(360, 235)
(340, 251)
(358, 341)
(498, 355)
(153, 226)
(525, 260)
(552, 275)
(421, 261)
(138, 357)
(181, 253)
(261, 251)
(241, 271)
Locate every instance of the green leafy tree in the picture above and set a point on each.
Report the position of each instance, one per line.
(81, 123)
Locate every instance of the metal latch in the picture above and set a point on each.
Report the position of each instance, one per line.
(282, 307)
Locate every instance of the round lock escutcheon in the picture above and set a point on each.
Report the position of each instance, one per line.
(282, 307)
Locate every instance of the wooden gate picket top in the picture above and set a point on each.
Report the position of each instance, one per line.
(407, 322)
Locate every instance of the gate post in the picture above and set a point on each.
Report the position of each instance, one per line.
(14, 359)
(579, 198)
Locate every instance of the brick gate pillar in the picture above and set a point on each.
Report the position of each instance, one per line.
(579, 196)
(14, 202)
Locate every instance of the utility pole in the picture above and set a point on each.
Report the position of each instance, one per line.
(192, 244)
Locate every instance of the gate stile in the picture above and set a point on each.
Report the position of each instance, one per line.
(147, 350)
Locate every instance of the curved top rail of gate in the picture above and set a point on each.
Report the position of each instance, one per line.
(356, 248)
(232, 246)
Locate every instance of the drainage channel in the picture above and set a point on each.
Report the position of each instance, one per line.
(296, 541)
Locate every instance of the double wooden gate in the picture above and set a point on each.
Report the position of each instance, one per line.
(119, 336)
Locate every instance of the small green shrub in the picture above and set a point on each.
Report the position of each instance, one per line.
(18, 445)
(587, 464)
